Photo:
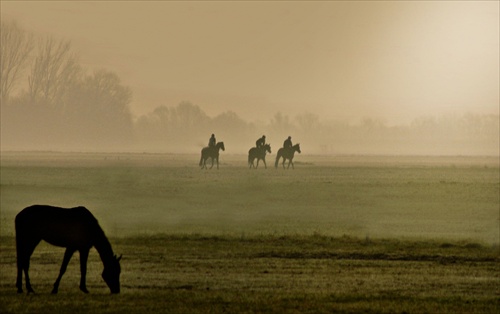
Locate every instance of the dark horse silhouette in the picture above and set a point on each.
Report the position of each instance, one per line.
(259, 153)
(76, 229)
(287, 153)
(211, 152)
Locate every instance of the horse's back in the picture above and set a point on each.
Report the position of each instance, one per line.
(38, 213)
(58, 226)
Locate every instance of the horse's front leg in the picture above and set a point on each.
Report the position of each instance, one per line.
(257, 163)
(212, 163)
(265, 165)
(67, 256)
(84, 255)
(217, 159)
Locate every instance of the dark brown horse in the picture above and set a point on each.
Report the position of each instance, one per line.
(211, 152)
(287, 153)
(76, 229)
(259, 153)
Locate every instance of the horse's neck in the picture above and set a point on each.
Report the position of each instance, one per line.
(103, 247)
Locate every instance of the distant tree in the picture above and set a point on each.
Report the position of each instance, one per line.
(15, 47)
(281, 123)
(307, 121)
(105, 91)
(53, 71)
(188, 116)
(103, 107)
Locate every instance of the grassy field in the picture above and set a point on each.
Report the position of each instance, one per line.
(344, 234)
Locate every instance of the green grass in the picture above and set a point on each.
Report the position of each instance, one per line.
(337, 234)
(196, 273)
(447, 198)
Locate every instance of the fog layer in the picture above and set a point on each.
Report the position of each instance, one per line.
(50, 101)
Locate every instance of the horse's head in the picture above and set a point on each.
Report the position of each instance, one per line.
(111, 274)
(268, 148)
(296, 147)
(220, 145)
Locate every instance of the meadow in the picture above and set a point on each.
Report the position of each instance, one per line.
(380, 234)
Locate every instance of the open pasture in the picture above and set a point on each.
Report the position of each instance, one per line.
(452, 198)
(346, 234)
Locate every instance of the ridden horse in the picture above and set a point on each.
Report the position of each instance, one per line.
(287, 153)
(76, 229)
(259, 153)
(211, 152)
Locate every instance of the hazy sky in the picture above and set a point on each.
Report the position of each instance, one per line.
(340, 60)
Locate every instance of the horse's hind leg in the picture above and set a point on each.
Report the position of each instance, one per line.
(67, 256)
(19, 281)
(25, 249)
(20, 267)
(84, 255)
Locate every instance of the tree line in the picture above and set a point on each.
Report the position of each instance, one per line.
(49, 101)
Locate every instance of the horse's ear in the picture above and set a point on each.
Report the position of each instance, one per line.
(119, 258)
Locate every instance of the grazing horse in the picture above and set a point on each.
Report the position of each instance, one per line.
(211, 152)
(259, 153)
(287, 153)
(76, 229)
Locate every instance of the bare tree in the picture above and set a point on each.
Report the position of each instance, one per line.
(53, 71)
(15, 47)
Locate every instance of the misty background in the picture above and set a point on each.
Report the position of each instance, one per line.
(54, 98)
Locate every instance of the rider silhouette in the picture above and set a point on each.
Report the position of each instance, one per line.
(261, 142)
(212, 141)
(288, 143)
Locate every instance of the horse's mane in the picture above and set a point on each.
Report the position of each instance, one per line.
(102, 244)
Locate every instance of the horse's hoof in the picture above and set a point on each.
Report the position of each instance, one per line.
(19, 290)
(84, 290)
(54, 291)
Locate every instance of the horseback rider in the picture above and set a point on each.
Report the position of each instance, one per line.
(288, 143)
(261, 142)
(212, 141)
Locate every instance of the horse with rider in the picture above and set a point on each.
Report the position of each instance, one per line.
(211, 151)
(287, 152)
(259, 152)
